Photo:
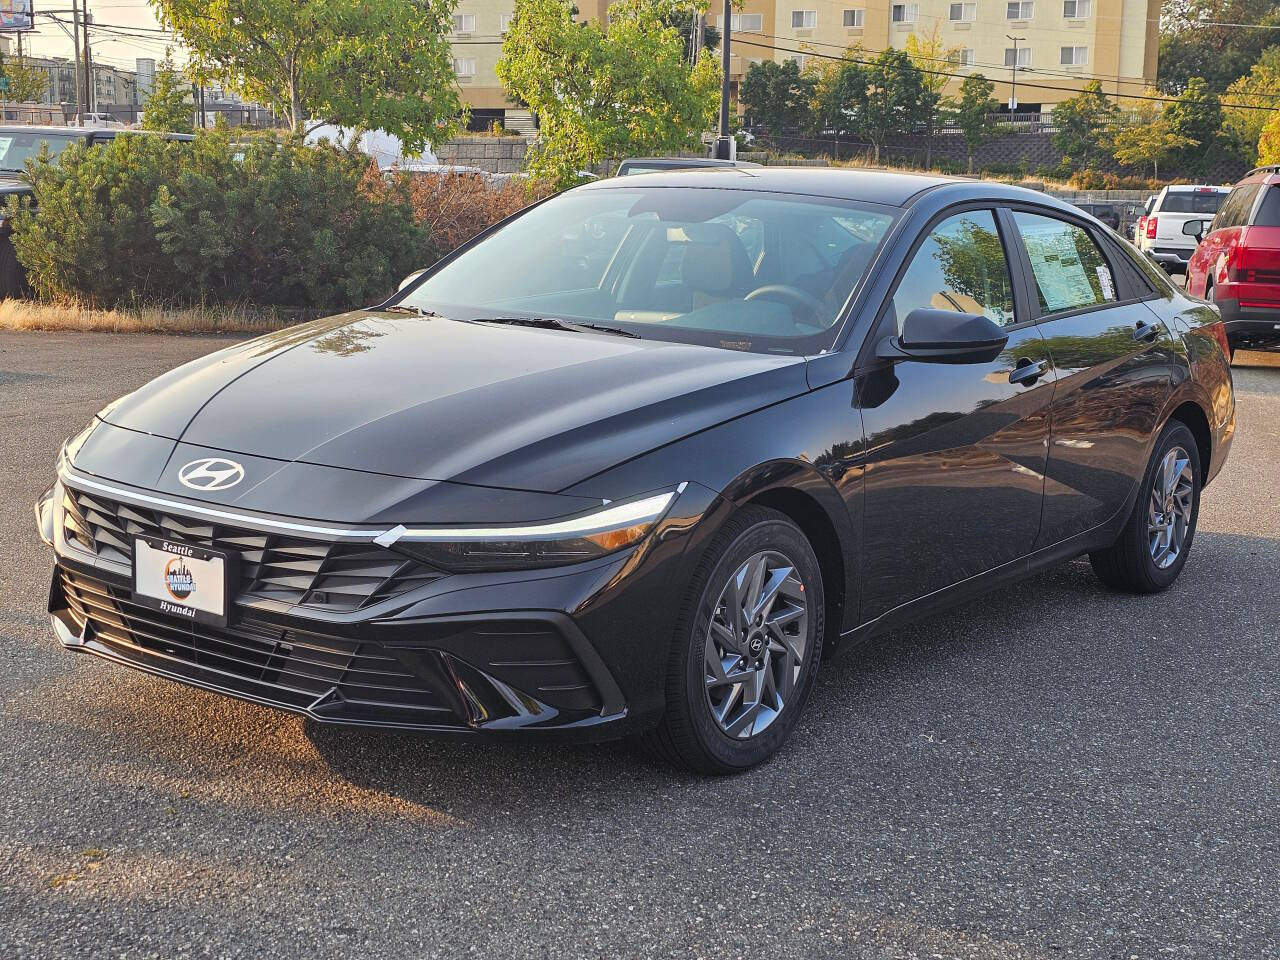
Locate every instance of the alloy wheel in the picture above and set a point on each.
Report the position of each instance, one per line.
(756, 644)
(1169, 509)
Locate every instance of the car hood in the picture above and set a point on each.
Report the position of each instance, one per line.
(441, 400)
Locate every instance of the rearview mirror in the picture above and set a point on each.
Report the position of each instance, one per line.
(410, 279)
(1194, 228)
(944, 336)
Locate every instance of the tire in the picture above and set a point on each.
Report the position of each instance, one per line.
(1143, 560)
(707, 726)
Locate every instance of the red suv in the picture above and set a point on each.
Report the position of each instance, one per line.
(1237, 264)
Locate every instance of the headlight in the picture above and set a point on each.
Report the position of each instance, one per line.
(528, 546)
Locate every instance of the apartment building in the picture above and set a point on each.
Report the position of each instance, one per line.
(1052, 47)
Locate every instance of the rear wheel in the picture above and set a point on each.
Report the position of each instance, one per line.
(746, 649)
(1153, 546)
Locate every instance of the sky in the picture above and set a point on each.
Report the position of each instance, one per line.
(108, 47)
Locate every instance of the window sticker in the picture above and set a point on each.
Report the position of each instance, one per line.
(1108, 287)
(1055, 261)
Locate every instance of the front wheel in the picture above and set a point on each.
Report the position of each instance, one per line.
(746, 649)
(1153, 546)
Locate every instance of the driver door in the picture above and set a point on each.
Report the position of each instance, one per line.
(954, 480)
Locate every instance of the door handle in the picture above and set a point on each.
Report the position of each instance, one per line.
(1027, 371)
(1146, 331)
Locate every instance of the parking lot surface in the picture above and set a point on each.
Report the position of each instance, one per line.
(1054, 771)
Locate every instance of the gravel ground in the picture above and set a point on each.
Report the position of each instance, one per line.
(1055, 771)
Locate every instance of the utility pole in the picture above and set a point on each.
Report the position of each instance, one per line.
(75, 44)
(1013, 91)
(724, 143)
(88, 62)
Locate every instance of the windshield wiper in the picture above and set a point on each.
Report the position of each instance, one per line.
(416, 311)
(555, 323)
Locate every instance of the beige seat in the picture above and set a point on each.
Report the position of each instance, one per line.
(715, 266)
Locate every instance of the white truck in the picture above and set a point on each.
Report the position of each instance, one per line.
(1160, 231)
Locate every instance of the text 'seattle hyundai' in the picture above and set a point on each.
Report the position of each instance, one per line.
(636, 459)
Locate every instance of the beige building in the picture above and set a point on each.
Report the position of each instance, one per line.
(1060, 45)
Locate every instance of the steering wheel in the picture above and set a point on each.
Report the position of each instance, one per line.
(793, 296)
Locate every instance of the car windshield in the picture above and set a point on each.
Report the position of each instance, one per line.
(1192, 202)
(739, 269)
(16, 148)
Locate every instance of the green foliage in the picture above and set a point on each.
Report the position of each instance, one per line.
(170, 108)
(1195, 116)
(1197, 39)
(27, 82)
(873, 101)
(931, 59)
(777, 95)
(975, 111)
(369, 64)
(142, 219)
(1148, 137)
(1248, 102)
(1083, 122)
(602, 95)
(1269, 140)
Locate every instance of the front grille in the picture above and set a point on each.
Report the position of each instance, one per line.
(339, 577)
(352, 680)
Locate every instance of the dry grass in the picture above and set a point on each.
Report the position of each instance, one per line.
(34, 315)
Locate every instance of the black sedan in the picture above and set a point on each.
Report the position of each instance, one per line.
(637, 460)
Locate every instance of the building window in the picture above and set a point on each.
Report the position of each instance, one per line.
(1075, 56)
(853, 18)
(905, 13)
(1020, 57)
(1019, 10)
(504, 22)
(962, 57)
(464, 23)
(1075, 9)
(744, 22)
(966, 12)
(464, 66)
(804, 19)
(798, 60)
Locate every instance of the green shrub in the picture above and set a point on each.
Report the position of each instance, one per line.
(267, 222)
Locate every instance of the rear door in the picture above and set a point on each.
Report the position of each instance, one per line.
(1115, 363)
(1223, 235)
(955, 452)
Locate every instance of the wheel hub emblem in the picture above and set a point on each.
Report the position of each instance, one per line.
(755, 645)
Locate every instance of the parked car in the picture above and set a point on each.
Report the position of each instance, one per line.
(101, 121)
(647, 493)
(1237, 262)
(1141, 225)
(18, 144)
(654, 164)
(1107, 213)
(1161, 235)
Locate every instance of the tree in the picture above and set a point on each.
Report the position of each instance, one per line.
(1202, 38)
(1083, 122)
(930, 59)
(889, 103)
(27, 82)
(1248, 102)
(370, 64)
(1269, 141)
(170, 107)
(1148, 137)
(834, 83)
(975, 112)
(605, 94)
(777, 95)
(1197, 116)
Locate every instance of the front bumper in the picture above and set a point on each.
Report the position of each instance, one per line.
(577, 652)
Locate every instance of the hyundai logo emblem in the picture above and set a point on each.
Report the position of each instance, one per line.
(211, 473)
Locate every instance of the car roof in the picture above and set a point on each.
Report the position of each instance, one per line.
(838, 183)
(92, 131)
(1196, 188)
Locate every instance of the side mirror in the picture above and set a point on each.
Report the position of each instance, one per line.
(944, 336)
(1194, 228)
(410, 279)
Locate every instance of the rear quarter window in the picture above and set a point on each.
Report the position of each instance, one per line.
(1269, 211)
(1235, 211)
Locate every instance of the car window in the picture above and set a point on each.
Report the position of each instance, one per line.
(1268, 214)
(1235, 211)
(1188, 202)
(689, 264)
(17, 147)
(961, 266)
(1070, 271)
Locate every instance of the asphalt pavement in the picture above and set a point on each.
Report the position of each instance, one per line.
(1054, 771)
